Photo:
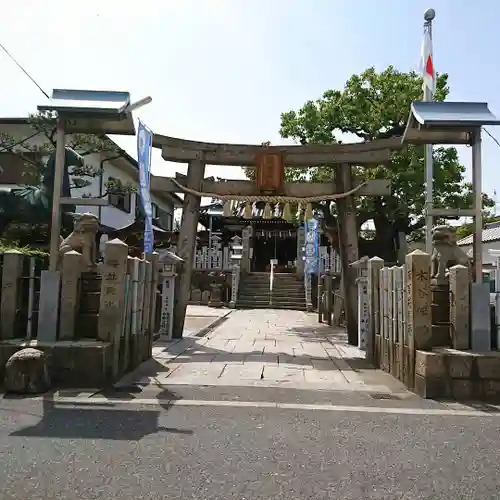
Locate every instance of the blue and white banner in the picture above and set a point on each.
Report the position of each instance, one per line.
(144, 147)
(311, 248)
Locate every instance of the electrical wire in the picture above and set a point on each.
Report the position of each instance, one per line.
(494, 139)
(18, 64)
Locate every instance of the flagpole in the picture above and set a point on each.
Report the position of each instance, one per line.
(429, 16)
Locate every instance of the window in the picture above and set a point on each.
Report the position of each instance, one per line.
(165, 220)
(119, 201)
(155, 210)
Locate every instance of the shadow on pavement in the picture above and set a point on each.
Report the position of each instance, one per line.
(65, 421)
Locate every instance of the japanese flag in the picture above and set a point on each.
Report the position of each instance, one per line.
(427, 64)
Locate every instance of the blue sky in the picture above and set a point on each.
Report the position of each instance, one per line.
(224, 70)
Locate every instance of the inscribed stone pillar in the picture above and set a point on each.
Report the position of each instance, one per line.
(146, 313)
(363, 312)
(70, 294)
(329, 297)
(235, 283)
(11, 288)
(308, 291)
(154, 259)
(127, 327)
(112, 301)
(375, 264)
(301, 241)
(167, 305)
(135, 331)
(459, 306)
(245, 254)
(186, 244)
(418, 297)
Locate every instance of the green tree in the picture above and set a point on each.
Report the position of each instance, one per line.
(371, 106)
(25, 213)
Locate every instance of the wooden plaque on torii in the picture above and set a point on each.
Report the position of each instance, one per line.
(270, 172)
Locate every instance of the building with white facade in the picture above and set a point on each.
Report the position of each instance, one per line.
(121, 210)
(490, 241)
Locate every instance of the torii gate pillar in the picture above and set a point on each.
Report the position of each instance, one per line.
(348, 247)
(186, 244)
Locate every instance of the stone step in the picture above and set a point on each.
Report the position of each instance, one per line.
(251, 294)
(265, 288)
(265, 300)
(259, 305)
(292, 279)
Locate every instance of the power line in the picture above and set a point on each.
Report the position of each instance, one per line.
(495, 140)
(18, 64)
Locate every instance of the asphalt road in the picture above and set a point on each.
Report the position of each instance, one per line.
(133, 451)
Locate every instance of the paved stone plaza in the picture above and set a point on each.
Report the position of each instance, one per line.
(263, 348)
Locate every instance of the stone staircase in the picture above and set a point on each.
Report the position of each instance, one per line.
(288, 292)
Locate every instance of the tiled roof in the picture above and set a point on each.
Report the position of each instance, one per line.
(491, 233)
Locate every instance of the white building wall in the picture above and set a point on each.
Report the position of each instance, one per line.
(487, 246)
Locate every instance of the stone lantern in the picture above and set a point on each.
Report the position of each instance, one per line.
(168, 262)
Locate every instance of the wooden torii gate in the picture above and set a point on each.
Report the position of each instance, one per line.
(270, 162)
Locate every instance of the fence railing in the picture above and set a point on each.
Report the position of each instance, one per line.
(400, 301)
(219, 258)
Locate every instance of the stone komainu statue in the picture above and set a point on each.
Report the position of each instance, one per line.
(82, 240)
(445, 253)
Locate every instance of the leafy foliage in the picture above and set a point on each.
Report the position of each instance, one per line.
(372, 106)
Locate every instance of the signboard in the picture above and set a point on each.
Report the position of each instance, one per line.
(311, 248)
(270, 171)
(144, 146)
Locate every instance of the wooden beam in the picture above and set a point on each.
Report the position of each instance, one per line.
(85, 202)
(247, 157)
(363, 153)
(441, 136)
(374, 187)
(161, 141)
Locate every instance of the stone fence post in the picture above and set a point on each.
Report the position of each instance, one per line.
(419, 317)
(11, 288)
(70, 294)
(459, 306)
(375, 264)
(155, 268)
(114, 269)
(146, 316)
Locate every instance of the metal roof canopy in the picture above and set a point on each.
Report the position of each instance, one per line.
(458, 119)
(461, 123)
(92, 111)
